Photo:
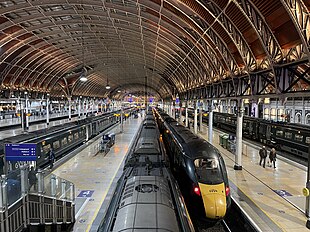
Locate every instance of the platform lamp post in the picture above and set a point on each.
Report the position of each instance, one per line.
(306, 192)
(70, 103)
(122, 126)
(47, 109)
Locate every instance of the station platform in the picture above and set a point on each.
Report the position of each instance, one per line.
(41, 125)
(271, 197)
(93, 173)
(33, 118)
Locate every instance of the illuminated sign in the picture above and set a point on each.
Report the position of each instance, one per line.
(20, 152)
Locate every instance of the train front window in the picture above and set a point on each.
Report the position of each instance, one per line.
(208, 171)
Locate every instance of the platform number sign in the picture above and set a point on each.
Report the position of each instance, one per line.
(283, 193)
(86, 193)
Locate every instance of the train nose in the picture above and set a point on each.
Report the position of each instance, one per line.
(214, 200)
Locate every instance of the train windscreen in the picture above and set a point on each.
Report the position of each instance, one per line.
(208, 171)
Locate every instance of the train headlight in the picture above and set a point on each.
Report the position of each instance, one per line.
(197, 191)
(227, 190)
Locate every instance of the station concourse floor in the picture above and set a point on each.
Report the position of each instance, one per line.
(93, 174)
(271, 197)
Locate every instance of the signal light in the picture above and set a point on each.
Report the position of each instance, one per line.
(227, 190)
(197, 191)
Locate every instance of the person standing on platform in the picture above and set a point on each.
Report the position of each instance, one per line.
(263, 155)
(272, 157)
(51, 158)
(32, 178)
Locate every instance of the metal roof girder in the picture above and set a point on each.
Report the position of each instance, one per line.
(300, 16)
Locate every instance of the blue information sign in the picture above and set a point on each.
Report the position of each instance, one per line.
(283, 193)
(86, 193)
(20, 152)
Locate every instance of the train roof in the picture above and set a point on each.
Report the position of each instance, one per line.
(193, 145)
(149, 132)
(147, 145)
(149, 123)
(146, 202)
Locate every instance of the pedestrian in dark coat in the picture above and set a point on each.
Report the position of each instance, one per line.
(51, 158)
(32, 178)
(272, 157)
(263, 155)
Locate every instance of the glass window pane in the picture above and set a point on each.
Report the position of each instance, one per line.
(288, 135)
(299, 138)
(56, 144)
(64, 141)
(279, 133)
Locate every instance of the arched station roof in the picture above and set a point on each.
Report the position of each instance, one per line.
(193, 48)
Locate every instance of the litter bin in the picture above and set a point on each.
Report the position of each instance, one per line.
(231, 146)
(225, 140)
(112, 139)
(221, 139)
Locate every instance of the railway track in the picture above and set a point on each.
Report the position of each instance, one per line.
(235, 221)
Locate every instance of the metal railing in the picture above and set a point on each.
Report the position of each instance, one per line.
(27, 198)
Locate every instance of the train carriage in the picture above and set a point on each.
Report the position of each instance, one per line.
(200, 169)
(289, 137)
(61, 138)
(147, 197)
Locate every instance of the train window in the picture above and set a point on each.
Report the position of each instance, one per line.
(279, 133)
(307, 139)
(70, 138)
(308, 119)
(76, 135)
(288, 135)
(64, 141)
(46, 149)
(56, 144)
(208, 171)
(299, 138)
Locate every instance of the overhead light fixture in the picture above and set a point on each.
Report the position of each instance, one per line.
(83, 77)
(108, 86)
(119, 91)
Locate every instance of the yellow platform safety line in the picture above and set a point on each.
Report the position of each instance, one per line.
(117, 115)
(126, 115)
(259, 207)
(104, 195)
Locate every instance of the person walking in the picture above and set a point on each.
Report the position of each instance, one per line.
(263, 155)
(32, 178)
(51, 158)
(272, 157)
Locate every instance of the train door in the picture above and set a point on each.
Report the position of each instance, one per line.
(268, 133)
(88, 131)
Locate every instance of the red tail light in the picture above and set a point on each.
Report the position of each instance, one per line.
(227, 189)
(197, 190)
